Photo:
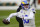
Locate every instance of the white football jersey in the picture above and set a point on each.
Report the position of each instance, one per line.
(25, 14)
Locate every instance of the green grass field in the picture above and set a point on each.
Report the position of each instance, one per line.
(13, 22)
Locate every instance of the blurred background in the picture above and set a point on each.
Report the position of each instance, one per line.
(10, 6)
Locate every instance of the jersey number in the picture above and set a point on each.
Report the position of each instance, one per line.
(25, 21)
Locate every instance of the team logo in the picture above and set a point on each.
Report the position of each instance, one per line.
(25, 21)
(26, 15)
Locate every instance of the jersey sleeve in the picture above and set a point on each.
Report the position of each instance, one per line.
(34, 11)
(11, 15)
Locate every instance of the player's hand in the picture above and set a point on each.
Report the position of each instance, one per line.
(5, 21)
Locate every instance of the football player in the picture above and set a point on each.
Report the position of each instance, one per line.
(25, 14)
(19, 19)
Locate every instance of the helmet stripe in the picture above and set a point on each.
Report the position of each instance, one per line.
(23, 3)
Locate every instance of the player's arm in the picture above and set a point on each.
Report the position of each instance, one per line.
(31, 15)
(7, 20)
(11, 15)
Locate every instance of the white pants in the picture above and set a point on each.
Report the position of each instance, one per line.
(28, 26)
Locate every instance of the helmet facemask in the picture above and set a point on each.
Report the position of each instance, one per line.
(26, 6)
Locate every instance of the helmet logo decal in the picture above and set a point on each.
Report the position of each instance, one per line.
(23, 3)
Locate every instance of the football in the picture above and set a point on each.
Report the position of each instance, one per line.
(5, 21)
